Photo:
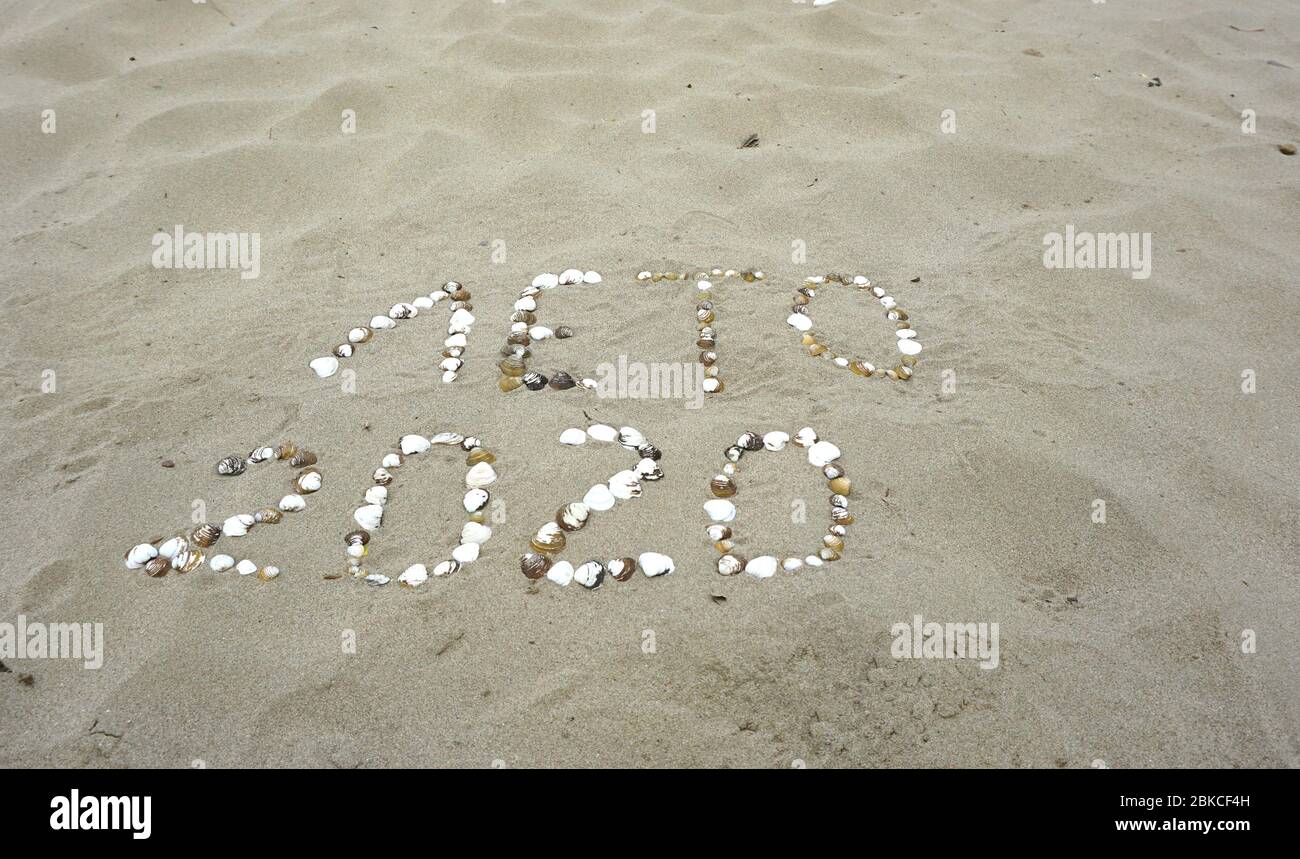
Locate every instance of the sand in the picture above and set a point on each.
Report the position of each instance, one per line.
(495, 141)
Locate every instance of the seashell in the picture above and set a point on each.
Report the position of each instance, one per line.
(750, 441)
(450, 287)
(729, 565)
(245, 567)
(229, 466)
(476, 499)
(602, 432)
(722, 486)
(423, 302)
(799, 321)
(302, 458)
(451, 365)
(733, 453)
(842, 486)
(268, 572)
(625, 485)
(762, 567)
(813, 561)
(527, 317)
(460, 296)
(519, 338)
(187, 560)
(712, 386)
(382, 477)
(570, 275)
(447, 438)
(590, 575)
(549, 539)
(221, 563)
(370, 517)
(475, 532)
(414, 576)
(706, 342)
(563, 332)
(540, 332)
(380, 323)
(526, 303)
(458, 340)
(573, 436)
(837, 529)
(561, 572)
(791, 564)
(377, 495)
(268, 516)
(171, 547)
(562, 381)
(841, 516)
(704, 316)
(822, 452)
(829, 554)
(377, 580)
(508, 384)
(238, 525)
(645, 275)
(512, 366)
(480, 454)
(292, 503)
(480, 475)
(840, 361)
(839, 501)
(832, 471)
(533, 565)
(260, 454)
(730, 469)
(708, 358)
(573, 516)
(468, 442)
(357, 538)
(546, 281)
(717, 533)
(909, 347)
(589, 384)
(307, 482)
(805, 437)
(446, 568)
(461, 321)
(205, 535)
(833, 541)
(360, 334)
(905, 333)
(775, 440)
(591, 277)
(599, 498)
(720, 510)
(533, 381)
(630, 437)
(327, 365)
(649, 451)
(654, 564)
(158, 567)
(356, 552)
(648, 469)
(403, 310)
(391, 460)
(862, 368)
(412, 444)
(286, 450)
(466, 553)
(888, 302)
(903, 372)
(621, 569)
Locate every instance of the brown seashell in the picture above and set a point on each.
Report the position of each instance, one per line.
(510, 351)
(461, 294)
(729, 565)
(816, 349)
(724, 546)
(903, 372)
(841, 516)
(158, 567)
(519, 338)
(478, 455)
(829, 554)
(718, 532)
(621, 569)
(269, 515)
(509, 383)
(525, 316)
(832, 471)
(512, 366)
(704, 316)
(533, 565)
(356, 538)
(549, 539)
(286, 451)
(722, 486)
(563, 332)
(205, 535)
(831, 541)
(861, 368)
(533, 381)
(301, 458)
(908, 361)
(708, 358)
(187, 560)
(562, 381)
(750, 441)
(573, 516)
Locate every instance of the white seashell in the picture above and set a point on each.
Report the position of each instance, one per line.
(470, 442)
(221, 563)
(451, 364)
(356, 550)
(878, 291)
(292, 503)
(644, 275)
(602, 432)
(446, 568)
(307, 482)
(140, 555)
(382, 476)
(630, 437)
(858, 280)
(591, 277)
(906, 333)
(909, 347)
(654, 564)
(888, 302)
(172, 546)
(377, 495)
(590, 575)
(840, 362)
(466, 553)
(590, 384)
(447, 438)
(574, 515)
(762, 567)
(261, 454)
(702, 285)
(379, 323)
(573, 436)
(369, 517)
(648, 469)
(480, 475)
(456, 341)
(720, 510)
(625, 485)
(238, 525)
(813, 561)
(822, 453)
(392, 460)
(775, 440)
(437, 295)
(476, 500)
(711, 385)
(460, 321)
(799, 321)
(475, 532)
(377, 579)
(324, 367)
(599, 498)
(412, 443)
(449, 377)
(570, 275)
(546, 281)
(540, 332)
(246, 567)
(805, 437)
(791, 564)
(561, 572)
(358, 335)
(527, 303)
(414, 576)
(423, 302)
(450, 286)
(516, 327)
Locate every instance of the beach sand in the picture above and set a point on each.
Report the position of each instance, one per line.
(495, 141)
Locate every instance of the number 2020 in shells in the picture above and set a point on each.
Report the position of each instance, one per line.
(526, 333)
(458, 329)
(186, 550)
(908, 347)
(370, 514)
(722, 510)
